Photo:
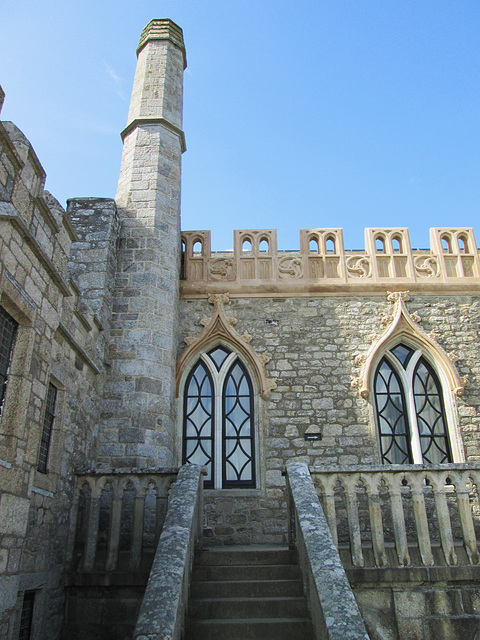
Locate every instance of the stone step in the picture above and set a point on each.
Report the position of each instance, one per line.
(246, 588)
(230, 608)
(250, 629)
(246, 572)
(247, 593)
(245, 555)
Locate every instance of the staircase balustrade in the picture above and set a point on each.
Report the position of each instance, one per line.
(118, 517)
(391, 516)
(334, 611)
(163, 609)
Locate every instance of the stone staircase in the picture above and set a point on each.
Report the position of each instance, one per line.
(245, 593)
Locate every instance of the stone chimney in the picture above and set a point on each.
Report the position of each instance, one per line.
(138, 423)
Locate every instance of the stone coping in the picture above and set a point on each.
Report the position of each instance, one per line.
(394, 575)
(164, 604)
(337, 611)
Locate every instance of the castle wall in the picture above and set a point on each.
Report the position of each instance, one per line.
(60, 341)
(314, 347)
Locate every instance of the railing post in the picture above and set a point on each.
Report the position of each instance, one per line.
(92, 528)
(444, 523)
(421, 521)
(394, 483)
(376, 523)
(350, 488)
(466, 520)
(114, 529)
(329, 507)
(137, 525)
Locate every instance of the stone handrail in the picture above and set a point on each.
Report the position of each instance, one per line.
(334, 611)
(118, 517)
(163, 608)
(392, 516)
(257, 267)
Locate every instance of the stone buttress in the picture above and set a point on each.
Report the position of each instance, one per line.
(138, 420)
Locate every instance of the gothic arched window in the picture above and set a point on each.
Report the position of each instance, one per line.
(218, 420)
(410, 409)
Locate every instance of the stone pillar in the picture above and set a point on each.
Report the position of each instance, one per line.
(138, 421)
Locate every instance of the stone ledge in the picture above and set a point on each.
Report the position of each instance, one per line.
(376, 575)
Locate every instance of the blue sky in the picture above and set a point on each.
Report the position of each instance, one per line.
(326, 113)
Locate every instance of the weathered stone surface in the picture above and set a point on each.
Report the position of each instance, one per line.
(163, 607)
(336, 610)
(145, 301)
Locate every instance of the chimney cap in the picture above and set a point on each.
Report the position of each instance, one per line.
(163, 29)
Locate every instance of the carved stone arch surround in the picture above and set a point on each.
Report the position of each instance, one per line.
(219, 329)
(400, 324)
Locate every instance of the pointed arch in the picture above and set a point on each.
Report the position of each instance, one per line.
(219, 330)
(219, 423)
(404, 328)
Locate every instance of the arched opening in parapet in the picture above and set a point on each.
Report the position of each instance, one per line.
(463, 244)
(446, 244)
(313, 245)
(380, 244)
(197, 248)
(397, 244)
(263, 246)
(330, 244)
(246, 246)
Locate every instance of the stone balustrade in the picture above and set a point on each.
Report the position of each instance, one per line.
(118, 518)
(164, 606)
(322, 265)
(409, 516)
(334, 611)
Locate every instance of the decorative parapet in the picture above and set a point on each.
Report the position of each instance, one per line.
(256, 268)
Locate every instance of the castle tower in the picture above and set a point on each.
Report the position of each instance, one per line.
(137, 428)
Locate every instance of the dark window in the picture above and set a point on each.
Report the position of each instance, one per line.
(238, 454)
(410, 409)
(8, 332)
(47, 428)
(218, 420)
(26, 619)
(198, 421)
(392, 416)
(430, 415)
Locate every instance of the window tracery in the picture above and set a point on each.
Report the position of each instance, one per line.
(410, 409)
(218, 420)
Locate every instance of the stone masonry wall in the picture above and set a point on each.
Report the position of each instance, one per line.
(138, 429)
(59, 340)
(313, 344)
(93, 258)
(416, 611)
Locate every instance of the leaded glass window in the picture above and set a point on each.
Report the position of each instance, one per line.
(392, 416)
(218, 420)
(198, 420)
(48, 419)
(410, 409)
(8, 332)
(26, 619)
